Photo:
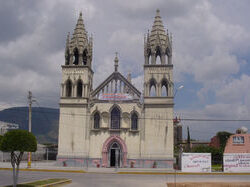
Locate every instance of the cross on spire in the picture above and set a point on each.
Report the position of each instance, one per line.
(116, 61)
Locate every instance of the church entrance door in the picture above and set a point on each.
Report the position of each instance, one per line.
(115, 155)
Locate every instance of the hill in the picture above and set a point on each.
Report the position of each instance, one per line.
(45, 121)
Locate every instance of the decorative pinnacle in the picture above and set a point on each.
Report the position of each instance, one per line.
(116, 61)
(129, 76)
(67, 40)
(157, 12)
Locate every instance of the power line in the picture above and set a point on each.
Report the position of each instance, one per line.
(166, 119)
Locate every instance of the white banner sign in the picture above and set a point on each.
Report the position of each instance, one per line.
(115, 96)
(196, 162)
(236, 162)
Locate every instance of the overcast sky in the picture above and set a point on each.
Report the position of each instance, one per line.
(211, 46)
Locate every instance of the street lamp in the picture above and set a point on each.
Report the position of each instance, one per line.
(177, 89)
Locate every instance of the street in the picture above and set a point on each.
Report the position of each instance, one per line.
(121, 180)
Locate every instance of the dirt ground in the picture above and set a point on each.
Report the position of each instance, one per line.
(209, 184)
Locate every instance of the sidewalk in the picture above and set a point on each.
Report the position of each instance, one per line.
(52, 167)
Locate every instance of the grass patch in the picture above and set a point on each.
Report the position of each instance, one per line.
(40, 182)
(217, 167)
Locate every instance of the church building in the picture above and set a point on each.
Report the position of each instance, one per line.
(114, 124)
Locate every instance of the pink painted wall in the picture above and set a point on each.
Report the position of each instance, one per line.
(238, 148)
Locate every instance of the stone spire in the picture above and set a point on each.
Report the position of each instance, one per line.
(116, 62)
(79, 46)
(158, 28)
(80, 34)
(157, 43)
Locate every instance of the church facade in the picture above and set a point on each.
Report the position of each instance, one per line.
(114, 124)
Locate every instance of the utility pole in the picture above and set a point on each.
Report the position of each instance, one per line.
(30, 100)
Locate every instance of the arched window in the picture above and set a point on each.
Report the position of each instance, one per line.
(158, 59)
(134, 121)
(115, 118)
(76, 57)
(152, 88)
(96, 120)
(158, 56)
(68, 88)
(84, 57)
(67, 58)
(164, 88)
(79, 88)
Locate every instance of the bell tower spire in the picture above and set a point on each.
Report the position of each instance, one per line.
(158, 43)
(79, 46)
(77, 71)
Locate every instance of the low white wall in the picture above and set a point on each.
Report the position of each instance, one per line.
(196, 162)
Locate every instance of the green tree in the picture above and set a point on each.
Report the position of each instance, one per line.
(217, 154)
(223, 137)
(1, 137)
(17, 142)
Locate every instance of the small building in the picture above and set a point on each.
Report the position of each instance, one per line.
(239, 142)
(5, 126)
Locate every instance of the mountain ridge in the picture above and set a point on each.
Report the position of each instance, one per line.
(45, 121)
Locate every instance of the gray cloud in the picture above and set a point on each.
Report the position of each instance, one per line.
(210, 38)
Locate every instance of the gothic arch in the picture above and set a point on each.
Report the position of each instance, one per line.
(115, 117)
(164, 87)
(79, 86)
(106, 146)
(85, 57)
(97, 120)
(69, 87)
(152, 85)
(158, 54)
(134, 120)
(76, 56)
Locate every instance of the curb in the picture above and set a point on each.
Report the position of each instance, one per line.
(65, 181)
(173, 173)
(127, 172)
(48, 170)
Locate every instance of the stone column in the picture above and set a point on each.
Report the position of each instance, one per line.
(83, 90)
(146, 57)
(73, 90)
(87, 90)
(169, 59)
(80, 59)
(157, 89)
(163, 59)
(62, 90)
(71, 60)
(153, 58)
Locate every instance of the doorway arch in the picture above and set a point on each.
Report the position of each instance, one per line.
(114, 142)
